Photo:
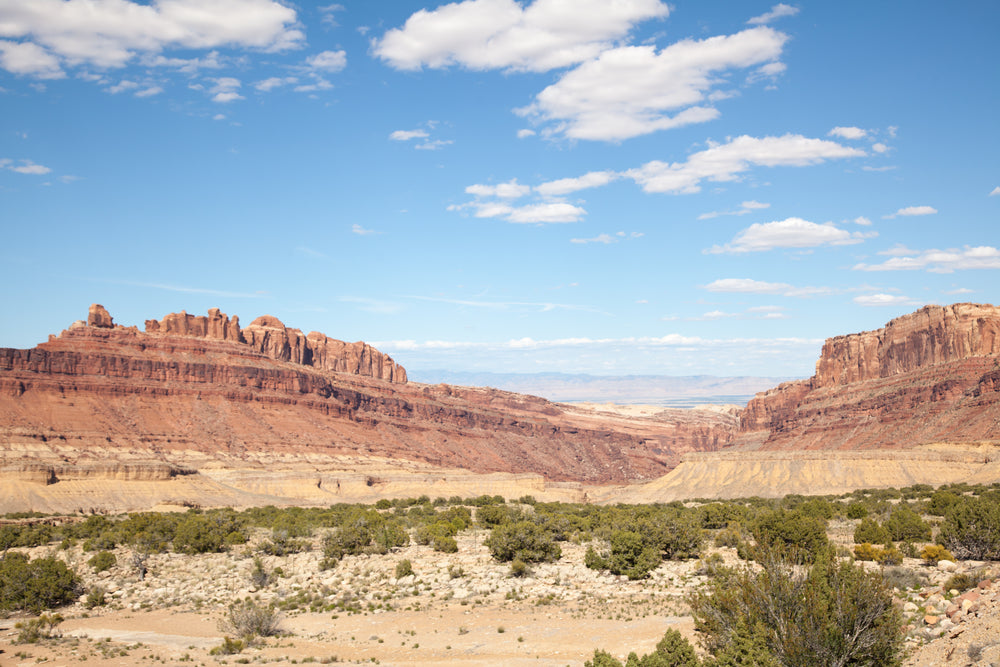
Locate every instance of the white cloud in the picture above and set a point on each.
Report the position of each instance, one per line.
(319, 83)
(877, 169)
(109, 33)
(911, 211)
(565, 186)
(225, 89)
(524, 134)
(879, 147)
(547, 212)
(26, 58)
(995, 192)
(26, 167)
(745, 207)
(149, 91)
(211, 60)
(122, 86)
(269, 84)
(503, 34)
(882, 299)
(788, 233)
(437, 144)
(936, 261)
(863, 221)
(725, 162)
(750, 286)
(361, 231)
(960, 290)
(509, 190)
(633, 90)
(778, 11)
(328, 61)
(600, 238)
(847, 132)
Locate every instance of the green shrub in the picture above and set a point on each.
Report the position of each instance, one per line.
(792, 530)
(856, 511)
(259, 576)
(102, 560)
(602, 659)
(518, 568)
(871, 532)
(630, 554)
(43, 583)
(905, 524)
(404, 568)
(971, 529)
(96, 597)
(228, 646)
(831, 614)
(523, 540)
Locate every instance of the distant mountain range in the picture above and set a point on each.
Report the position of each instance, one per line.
(665, 390)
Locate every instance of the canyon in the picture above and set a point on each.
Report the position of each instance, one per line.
(201, 411)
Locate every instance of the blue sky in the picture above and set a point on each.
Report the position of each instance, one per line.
(549, 186)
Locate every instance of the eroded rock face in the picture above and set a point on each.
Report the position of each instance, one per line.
(186, 392)
(930, 376)
(99, 317)
(270, 337)
(931, 336)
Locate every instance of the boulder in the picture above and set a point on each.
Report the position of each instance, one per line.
(99, 317)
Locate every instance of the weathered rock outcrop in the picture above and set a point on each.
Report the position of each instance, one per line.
(201, 392)
(930, 376)
(268, 336)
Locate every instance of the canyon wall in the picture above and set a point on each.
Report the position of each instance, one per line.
(930, 376)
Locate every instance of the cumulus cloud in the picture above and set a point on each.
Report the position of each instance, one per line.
(936, 261)
(565, 186)
(780, 10)
(911, 211)
(328, 61)
(509, 190)
(863, 221)
(503, 34)
(269, 84)
(24, 167)
(524, 134)
(634, 90)
(26, 58)
(110, 33)
(545, 212)
(788, 233)
(847, 132)
(225, 89)
(724, 162)
(751, 286)
(882, 299)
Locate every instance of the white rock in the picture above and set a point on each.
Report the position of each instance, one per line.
(947, 566)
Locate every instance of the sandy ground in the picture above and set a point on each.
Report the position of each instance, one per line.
(527, 635)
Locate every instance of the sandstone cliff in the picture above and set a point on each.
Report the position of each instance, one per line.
(205, 393)
(930, 376)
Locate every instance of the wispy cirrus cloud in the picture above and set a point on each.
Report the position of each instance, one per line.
(751, 286)
(780, 10)
(883, 299)
(745, 208)
(936, 261)
(789, 233)
(608, 239)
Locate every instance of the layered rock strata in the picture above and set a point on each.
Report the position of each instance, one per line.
(205, 393)
(930, 376)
